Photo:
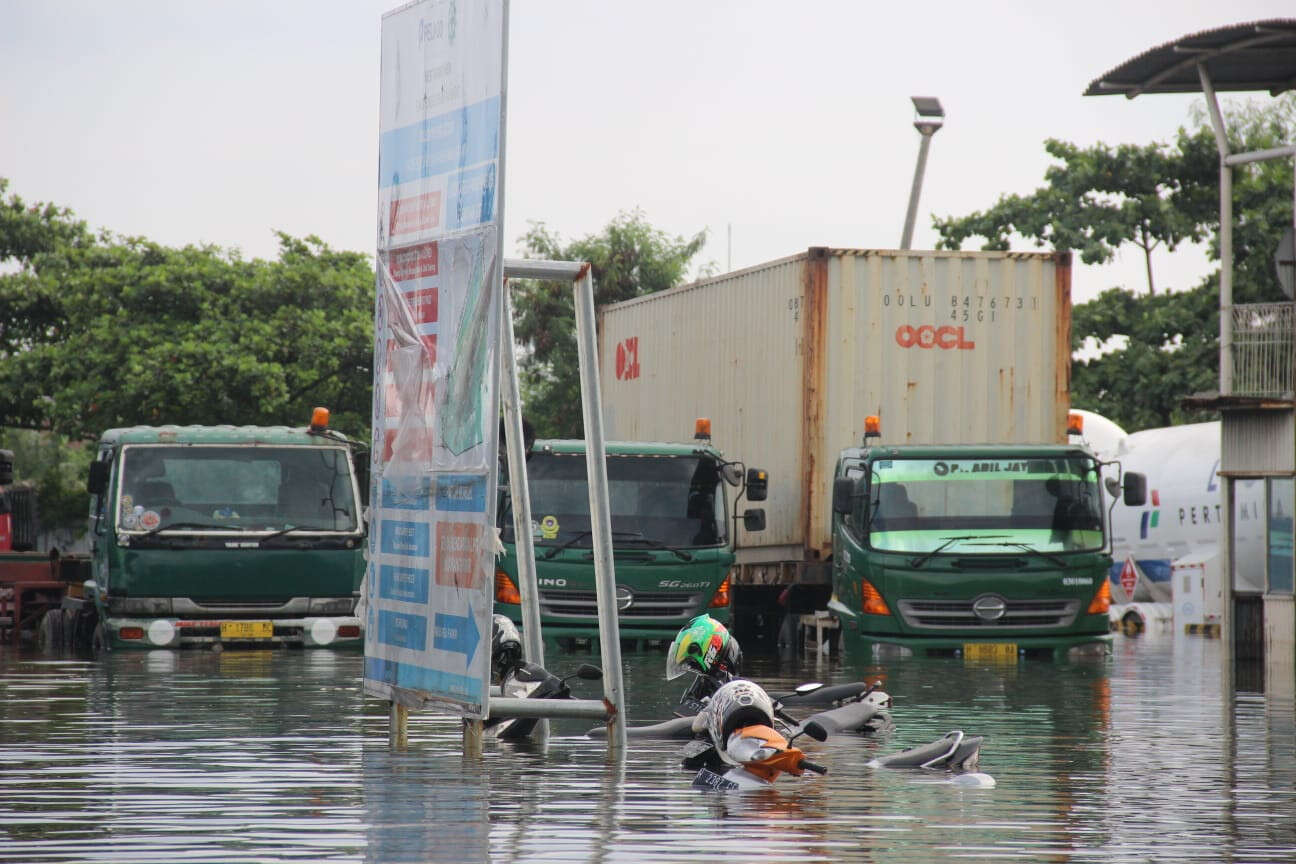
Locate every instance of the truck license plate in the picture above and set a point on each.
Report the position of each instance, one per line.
(247, 629)
(995, 652)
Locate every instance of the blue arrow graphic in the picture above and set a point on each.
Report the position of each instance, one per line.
(456, 633)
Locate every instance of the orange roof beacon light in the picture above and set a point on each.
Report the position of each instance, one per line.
(872, 427)
(1075, 424)
(702, 429)
(319, 419)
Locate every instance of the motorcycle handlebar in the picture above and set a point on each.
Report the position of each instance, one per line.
(807, 765)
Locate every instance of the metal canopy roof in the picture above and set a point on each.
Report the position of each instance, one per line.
(1260, 55)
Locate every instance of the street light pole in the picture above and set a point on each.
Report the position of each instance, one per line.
(930, 116)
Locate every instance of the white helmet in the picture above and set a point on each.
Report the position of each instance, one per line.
(736, 704)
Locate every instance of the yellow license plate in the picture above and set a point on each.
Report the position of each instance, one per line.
(996, 652)
(247, 629)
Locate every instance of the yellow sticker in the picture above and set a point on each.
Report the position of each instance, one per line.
(549, 527)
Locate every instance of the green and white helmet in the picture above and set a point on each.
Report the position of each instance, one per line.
(701, 646)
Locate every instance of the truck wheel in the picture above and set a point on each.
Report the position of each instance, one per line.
(99, 641)
(69, 628)
(49, 635)
(81, 628)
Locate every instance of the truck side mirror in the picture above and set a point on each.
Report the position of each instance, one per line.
(361, 463)
(757, 484)
(843, 495)
(98, 482)
(1134, 489)
(754, 519)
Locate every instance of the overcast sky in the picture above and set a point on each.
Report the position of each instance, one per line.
(791, 122)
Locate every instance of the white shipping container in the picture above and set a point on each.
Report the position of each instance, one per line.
(787, 358)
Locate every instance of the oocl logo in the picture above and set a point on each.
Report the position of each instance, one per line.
(927, 336)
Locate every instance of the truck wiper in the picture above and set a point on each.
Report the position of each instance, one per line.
(569, 542)
(919, 560)
(1026, 547)
(580, 535)
(656, 544)
(282, 531)
(192, 526)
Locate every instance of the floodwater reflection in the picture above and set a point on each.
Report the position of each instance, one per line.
(1151, 755)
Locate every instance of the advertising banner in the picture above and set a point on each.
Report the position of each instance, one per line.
(429, 585)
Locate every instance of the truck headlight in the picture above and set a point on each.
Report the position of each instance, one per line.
(331, 606)
(145, 607)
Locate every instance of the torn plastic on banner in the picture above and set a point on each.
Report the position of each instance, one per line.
(432, 540)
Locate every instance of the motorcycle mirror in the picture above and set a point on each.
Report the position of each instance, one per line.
(586, 672)
(809, 687)
(815, 731)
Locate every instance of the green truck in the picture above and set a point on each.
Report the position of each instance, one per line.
(220, 535)
(985, 551)
(672, 534)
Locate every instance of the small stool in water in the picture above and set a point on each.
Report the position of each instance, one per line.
(820, 620)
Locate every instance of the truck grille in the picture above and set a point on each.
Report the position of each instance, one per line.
(584, 605)
(1019, 614)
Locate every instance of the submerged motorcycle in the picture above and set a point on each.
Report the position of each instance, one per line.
(856, 707)
(741, 749)
(523, 680)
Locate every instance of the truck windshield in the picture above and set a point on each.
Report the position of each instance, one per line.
(674, 501)
(985, 506)
(233, 488)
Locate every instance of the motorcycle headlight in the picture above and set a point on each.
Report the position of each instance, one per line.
(750, 749)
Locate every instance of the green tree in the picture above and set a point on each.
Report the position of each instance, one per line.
(1170, 348)
(629, 258)
(1158, 348)
(1100, 198)
(57, 469)
(101, 330)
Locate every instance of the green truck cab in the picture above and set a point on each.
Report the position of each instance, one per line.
(218, 535)
(672, 536)
(985, 551)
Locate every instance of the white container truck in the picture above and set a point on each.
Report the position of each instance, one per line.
(788, 358)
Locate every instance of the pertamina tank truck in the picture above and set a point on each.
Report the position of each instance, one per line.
(672, 535)
(982, 550)
(213, 535)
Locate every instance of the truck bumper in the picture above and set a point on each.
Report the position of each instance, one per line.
(312, 632)
(1059, 646)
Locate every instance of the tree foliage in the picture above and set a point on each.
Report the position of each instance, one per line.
(57, 469)
(101, 331)
(1100, 198)
(628, 258)
(1158, 348)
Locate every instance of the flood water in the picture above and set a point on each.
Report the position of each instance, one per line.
(277, 756)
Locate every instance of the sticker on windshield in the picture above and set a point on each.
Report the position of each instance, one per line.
(130, 521)
(549, 527)
(127, 504)
(149, 520)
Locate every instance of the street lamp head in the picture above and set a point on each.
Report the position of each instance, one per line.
(928, 114)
